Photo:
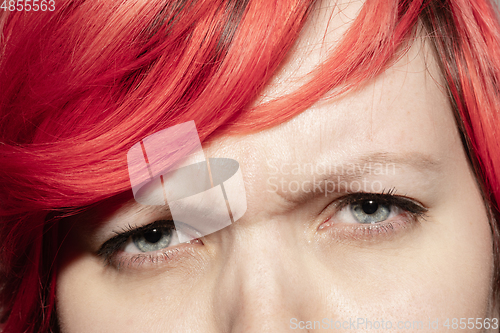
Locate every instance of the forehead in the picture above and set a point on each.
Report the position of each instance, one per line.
(405, 109)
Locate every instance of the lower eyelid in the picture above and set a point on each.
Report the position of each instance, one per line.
(165, 257)
(379, 231)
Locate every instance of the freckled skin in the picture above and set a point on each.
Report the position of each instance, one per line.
(276, 263)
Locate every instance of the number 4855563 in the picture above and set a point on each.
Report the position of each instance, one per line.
(28, 5)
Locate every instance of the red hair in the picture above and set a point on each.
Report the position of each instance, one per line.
(82, 84)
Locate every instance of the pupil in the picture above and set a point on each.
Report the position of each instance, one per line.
(153, 236)
(369, 207)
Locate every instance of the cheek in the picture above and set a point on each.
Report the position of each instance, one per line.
(463, 236)
(83, 303)
(93, 298)
(417, 284)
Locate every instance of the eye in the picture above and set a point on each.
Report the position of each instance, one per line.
(370, 211)
(151, 240)
(373, 208)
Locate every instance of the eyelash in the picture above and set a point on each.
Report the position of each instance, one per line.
(414, 211)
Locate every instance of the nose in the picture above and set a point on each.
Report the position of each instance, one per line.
(261, 284)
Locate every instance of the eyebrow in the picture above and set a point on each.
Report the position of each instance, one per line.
(164, 209)
(352, 170)
(355, 169)
(123, 203)
(416, 160)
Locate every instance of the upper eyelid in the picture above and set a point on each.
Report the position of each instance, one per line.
(389, 197)
(133, 230)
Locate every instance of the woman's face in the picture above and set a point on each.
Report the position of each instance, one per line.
(310, 252)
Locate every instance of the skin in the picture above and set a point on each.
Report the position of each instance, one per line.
(293, 257)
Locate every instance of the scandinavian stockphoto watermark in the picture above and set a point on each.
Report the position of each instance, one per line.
(431, 324)
(357, 324)
(327, 178)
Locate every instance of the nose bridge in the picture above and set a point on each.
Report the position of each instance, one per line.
(254, 290)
